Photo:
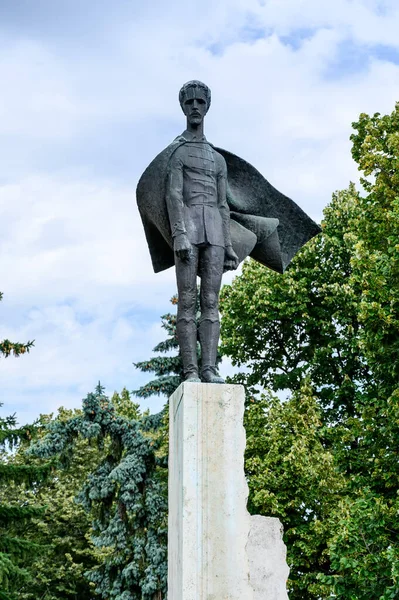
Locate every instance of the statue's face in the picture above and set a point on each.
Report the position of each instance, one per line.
(194, 106)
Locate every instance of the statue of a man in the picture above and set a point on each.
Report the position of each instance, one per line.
(199, 216)
(204, 210)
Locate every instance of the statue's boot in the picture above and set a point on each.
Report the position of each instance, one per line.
(186, 330)
(209, 332)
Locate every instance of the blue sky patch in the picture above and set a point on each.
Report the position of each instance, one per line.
(297, 37)
(386, 53)
(249, 33)
(352, 58)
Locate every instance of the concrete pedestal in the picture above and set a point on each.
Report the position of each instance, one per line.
(209, 526)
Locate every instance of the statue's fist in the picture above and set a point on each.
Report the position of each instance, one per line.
(231, 260)
(182, 247)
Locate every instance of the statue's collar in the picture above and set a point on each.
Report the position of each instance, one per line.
(187, 136)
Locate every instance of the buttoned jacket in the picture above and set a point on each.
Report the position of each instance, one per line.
(196, 193)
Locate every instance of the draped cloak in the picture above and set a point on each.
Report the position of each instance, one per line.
(264, 223)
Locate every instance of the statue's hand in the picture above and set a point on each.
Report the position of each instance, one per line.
(182, 247)
(231, 260)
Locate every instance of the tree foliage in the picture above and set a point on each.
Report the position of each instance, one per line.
(17, 511)
(376, 260)
(125, 494)
(64, 530)
(168, 368)
(289, 471)
(16, 551)
(325, 337)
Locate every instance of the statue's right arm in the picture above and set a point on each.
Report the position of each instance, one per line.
(174, 204)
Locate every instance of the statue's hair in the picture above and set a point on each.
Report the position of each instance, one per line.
(195, 84)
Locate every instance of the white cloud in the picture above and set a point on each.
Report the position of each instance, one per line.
(36, 99)
(66, 238)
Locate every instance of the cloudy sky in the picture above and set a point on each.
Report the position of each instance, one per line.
(88, 98)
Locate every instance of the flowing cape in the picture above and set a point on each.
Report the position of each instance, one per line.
(264, 223)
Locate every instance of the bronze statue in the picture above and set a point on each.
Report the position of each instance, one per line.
(205, 210)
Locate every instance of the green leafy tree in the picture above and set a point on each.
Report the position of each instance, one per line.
(289, 470)
(16, 551)
(304, 323)
(376, 260)
(365, 542)
(331, 323)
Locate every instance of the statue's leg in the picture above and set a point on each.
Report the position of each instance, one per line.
(186, 326)
(211, 269)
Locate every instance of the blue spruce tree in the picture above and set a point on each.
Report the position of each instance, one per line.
(126, 495)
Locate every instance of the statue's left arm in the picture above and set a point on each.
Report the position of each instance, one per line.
(231, 259)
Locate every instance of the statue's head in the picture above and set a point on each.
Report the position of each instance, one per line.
(195, 100)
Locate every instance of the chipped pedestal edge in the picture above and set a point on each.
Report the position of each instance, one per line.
(267, 557)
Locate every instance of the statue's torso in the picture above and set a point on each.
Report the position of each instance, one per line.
(201, 169)
(199, 174)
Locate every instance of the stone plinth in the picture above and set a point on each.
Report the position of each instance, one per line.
(208, 520)
(216, 551)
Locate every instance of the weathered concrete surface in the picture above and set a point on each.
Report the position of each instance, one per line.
(208, 519)
(267, 559)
